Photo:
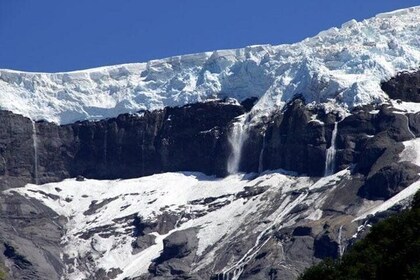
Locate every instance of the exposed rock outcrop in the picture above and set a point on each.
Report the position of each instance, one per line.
(297, 139)
(177, 256)
(389, 180)
(31, 236)
(405, 87)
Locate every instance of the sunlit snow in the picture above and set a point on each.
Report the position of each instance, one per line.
(175, 193)
(340, 66)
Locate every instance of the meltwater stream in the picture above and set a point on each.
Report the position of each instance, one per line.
(340, 241)
(408, 127)
(331, 151)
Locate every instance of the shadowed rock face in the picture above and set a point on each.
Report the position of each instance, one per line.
(389, 180)
(177, 255)
(293, 141)
(325, 247)
(195, 138)
(31, 235)
(192, 138)
(405, 87)
(189, 138)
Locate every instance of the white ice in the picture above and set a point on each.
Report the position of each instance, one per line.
(341, 67)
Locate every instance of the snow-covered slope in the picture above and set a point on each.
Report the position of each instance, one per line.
(100, 213)
(342, 66)
(241, 210)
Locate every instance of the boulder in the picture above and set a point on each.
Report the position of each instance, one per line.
(177, 255)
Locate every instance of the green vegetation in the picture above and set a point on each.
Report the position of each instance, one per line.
(390, 251)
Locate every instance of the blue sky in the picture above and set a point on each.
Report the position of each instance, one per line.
(53, 35)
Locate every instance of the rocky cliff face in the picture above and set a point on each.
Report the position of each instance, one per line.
(31, 239)
(404, 87)
(195, 138)
(191, 138)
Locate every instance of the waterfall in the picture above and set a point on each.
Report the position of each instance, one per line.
(35, 146)
(261, 158)
(408, 127)
(340, 245)
(237, 138)
(330, 157)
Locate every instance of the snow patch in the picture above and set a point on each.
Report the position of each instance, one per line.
(411, 151)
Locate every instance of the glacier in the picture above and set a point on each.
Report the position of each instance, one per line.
(340, 67)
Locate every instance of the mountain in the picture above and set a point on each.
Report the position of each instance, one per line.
(341, 66)
(241, 164)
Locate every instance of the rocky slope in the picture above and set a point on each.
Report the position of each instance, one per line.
(320, 143)
(391, 250)
(126, 221)
(191, 226)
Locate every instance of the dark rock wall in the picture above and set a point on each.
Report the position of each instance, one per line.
(195, 138)
(296, 142)
(175, 139)
(405, 86)
(192, 138)
(30, 239)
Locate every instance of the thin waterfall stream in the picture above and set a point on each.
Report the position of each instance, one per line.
(340, 245)
(237, 138)
(331, 152)
(408, 127)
